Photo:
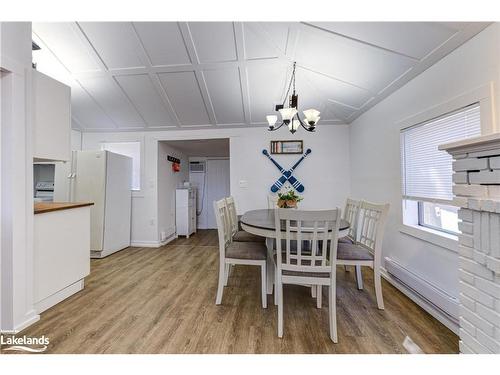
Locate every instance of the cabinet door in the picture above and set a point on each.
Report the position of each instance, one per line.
(52, 118)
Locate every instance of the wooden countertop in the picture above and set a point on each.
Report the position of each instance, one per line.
(43, 207)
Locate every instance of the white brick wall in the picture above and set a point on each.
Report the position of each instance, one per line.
(476, 188)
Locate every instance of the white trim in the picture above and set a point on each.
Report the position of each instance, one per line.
(59, 296)
(432, 309)
(441, 239)
(152, 243)
(482, 95)
(33, 318)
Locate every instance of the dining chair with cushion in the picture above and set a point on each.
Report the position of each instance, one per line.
(315, 265)
(351, 215)
(272, 201)
(237, 234)
(367, 250)
(232, 253)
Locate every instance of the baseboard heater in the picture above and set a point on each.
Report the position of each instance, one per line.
(425, 290)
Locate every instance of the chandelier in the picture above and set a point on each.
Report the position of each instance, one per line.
(290, 115)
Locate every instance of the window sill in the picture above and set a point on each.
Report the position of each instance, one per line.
(445, 240)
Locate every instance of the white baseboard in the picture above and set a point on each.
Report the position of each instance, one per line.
(402, 284)
(153, 243)
(60, 296)
(32, 318)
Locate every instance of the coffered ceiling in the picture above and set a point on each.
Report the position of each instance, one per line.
(171, 75)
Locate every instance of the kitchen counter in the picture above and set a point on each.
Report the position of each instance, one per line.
(43, 207)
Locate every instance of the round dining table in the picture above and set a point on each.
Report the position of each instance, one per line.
(262, 223)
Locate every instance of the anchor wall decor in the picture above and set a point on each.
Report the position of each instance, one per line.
(287, 175)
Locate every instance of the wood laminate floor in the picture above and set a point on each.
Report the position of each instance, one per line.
(162, 300)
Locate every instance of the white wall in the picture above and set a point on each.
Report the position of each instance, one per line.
(375, 152)
(325, 173)
(16, 176)
(76, 140)
(167, 183)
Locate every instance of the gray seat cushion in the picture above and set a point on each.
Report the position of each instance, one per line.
(246, 250)
(346, 251)
(298, 273)
(242, 236)
(345, 240)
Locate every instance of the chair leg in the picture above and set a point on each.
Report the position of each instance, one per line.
(275, 287)
(279, 290)
(332, 311)
(377, 279)
(220, 288)
(319, 296)
(359, 277)
(263, 283)
(313, 291)
(227, 271)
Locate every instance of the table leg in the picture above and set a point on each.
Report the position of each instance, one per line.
(270, 265)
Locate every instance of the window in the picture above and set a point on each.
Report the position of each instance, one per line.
(133, 150)
(427, 172)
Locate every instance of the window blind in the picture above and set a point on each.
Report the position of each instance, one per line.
(426, 171)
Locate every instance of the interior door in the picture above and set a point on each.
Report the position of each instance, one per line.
(217, 186)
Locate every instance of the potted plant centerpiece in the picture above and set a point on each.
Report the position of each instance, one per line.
(288, 199)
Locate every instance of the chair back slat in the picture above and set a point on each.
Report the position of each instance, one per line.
(351, 215)
(372, 218)
(233, 216)
(319, 228)
(223, 225)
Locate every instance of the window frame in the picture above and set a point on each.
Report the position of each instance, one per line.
(422, 223)
(408, 219)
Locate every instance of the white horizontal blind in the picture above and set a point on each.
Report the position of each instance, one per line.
(426, 171)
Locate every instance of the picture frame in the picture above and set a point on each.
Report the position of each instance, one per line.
(287, 147)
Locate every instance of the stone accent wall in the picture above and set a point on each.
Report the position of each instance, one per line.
(476, 188)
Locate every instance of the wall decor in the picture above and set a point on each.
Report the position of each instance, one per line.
(173, 159)
(287, 174)
(287, 147)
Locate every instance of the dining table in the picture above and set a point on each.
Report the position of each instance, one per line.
(262, 223)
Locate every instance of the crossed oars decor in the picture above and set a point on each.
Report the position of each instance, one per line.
(287, 175)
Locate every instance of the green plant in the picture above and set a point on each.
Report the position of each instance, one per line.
(290, 195)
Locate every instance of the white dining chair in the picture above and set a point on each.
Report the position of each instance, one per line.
(272, 201)
(367, 250)
(237, 234)
(232, 253)
(315, 265)
(351, 215)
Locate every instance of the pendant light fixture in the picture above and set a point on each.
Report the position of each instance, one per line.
(290, 114)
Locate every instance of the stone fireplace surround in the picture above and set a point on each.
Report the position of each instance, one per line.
(476, 190)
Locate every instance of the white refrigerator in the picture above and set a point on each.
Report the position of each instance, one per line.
(104, 178)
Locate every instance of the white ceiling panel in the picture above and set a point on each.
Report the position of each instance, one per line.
(214, 41)
(115, 42)
(266, 85)
(168, 74)
(265, 40)
(331, 88)
(413, 39)
(148, 102)
(225, 93)
(356, 63)
(113, 101)
(87, 112)
(163, 43)
(184, 93)
(63, 37)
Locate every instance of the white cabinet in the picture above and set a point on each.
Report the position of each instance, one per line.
(185, 211)
(51, 118)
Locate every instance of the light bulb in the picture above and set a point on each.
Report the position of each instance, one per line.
(271, 119)
(287, 114)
